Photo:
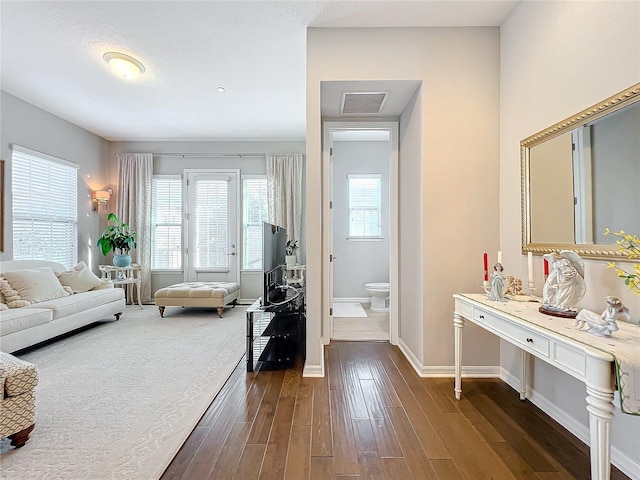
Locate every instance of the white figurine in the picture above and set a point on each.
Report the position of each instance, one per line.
(603, 325)
(565, 285)
(497, 284)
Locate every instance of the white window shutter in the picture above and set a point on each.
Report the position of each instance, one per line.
(166, 223)
(254, 212)
(45, 208)
(364, 206)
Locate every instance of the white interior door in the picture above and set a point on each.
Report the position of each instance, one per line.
(212, 226)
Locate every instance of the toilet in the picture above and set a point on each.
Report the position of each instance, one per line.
(379, 295)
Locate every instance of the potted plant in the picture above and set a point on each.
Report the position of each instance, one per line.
(119, 238)
(290, 252)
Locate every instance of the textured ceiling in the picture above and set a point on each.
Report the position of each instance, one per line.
(51, 56)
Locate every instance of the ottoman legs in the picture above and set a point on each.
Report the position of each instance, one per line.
(20, 438)
(220, 311)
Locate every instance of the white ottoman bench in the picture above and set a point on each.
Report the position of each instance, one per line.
(198, 294)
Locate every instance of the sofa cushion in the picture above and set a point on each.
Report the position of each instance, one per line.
(79, 302)
(36, 284)
(18, 319)
(4, 306)
(80, 279)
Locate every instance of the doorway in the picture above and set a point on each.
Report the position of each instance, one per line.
(212, 225)
(360, 229)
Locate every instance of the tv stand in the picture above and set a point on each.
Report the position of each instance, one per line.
(275, 334)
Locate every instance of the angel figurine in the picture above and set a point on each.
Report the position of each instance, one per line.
(497, 284)
(565, 285)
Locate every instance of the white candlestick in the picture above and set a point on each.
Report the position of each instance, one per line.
(530, 265)
(499, 256)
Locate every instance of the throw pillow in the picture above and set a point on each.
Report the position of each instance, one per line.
(11, 296)
(4, 306)
(80, 279)
(36, 284)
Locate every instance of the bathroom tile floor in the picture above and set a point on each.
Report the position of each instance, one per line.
(374, 327)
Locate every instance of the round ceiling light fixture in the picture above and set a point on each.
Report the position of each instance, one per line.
(124, 65)
(221, 89)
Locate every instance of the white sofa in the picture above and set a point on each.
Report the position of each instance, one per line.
(31, 324)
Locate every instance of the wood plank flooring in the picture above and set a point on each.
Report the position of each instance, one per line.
(373, 417)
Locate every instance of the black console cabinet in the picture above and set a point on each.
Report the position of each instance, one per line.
(275, 335)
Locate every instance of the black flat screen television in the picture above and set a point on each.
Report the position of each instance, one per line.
(274, 241)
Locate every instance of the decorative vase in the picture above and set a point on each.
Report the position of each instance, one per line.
(122, 260)
(291, 260)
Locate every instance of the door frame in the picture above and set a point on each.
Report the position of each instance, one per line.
(238, 212)
(327, 226)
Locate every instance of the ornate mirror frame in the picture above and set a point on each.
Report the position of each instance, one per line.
(608, 106)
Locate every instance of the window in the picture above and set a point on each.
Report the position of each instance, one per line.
(166, 222)
(364, 206)
(45, 207)
(254, 212)
(212, 224)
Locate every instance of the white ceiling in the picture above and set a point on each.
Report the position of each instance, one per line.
(51, 56)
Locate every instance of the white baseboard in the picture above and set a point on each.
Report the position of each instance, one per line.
(311, 370)
(366, 300)
(246, 301)
(620, 459)
(446, 371)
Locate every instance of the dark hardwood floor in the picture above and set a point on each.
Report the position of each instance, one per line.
(373, 417)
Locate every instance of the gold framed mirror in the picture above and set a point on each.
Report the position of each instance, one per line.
(582, 176)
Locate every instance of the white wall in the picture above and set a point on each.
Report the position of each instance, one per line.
(253, 163)
(458, 164)
(558, 58)
(358, 262)
(31, 127)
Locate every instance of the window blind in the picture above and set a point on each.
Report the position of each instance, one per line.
(254, 212)
(212, 224)
(45, 207)
(364, 206)
(166, 222)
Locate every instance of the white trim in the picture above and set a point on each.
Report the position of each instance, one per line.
(446, 371)
(44, 156)
(310, 370)
(365, 239)
(394, 253)
(618, 458)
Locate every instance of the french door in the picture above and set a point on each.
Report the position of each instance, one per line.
(212, 225)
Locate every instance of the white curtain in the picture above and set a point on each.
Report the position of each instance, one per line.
(135, 174)
(284, 184)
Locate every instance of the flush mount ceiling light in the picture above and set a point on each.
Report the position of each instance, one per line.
(221, 89)
(124, 65)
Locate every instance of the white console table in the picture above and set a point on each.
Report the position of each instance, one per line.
(549, 339)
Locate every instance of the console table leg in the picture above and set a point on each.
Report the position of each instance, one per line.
(600, 388)
(458, 324)
(524, 370)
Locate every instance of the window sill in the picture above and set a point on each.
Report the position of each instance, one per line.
(364, 239)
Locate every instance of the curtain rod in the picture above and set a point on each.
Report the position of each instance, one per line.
(185, 155)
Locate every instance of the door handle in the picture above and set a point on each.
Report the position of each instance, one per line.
(232, 253)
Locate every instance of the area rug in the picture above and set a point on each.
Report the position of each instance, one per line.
(118, 400)
(347, 310)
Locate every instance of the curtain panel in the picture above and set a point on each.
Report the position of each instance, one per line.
(284, 187)
(135, 174)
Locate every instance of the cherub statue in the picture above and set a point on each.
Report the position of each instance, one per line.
(565, 285)
(514, 286)
(603, 325)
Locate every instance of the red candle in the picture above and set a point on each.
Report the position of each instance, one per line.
(546, 268)
(486, 267)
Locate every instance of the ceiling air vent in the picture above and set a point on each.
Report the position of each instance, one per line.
(362, 103)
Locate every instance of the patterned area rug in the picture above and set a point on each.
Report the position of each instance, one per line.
(118, 400)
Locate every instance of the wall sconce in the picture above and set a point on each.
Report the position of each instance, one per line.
(100, 199)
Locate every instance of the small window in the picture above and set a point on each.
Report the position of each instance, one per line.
(254, 212)
(45, 207)
(364, 207)
(166, 222)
